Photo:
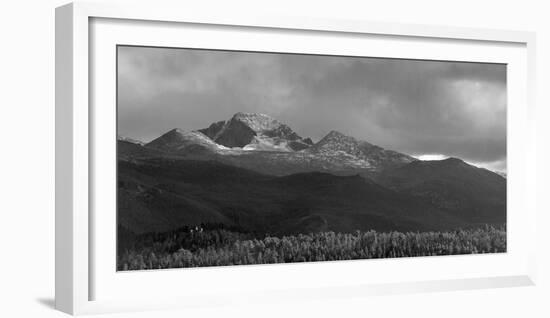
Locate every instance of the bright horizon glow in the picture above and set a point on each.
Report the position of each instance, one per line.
(492, 166)
(429, 157)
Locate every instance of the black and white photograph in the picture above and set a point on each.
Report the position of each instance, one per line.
(237, 158)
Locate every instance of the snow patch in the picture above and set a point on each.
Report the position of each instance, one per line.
(258, 122)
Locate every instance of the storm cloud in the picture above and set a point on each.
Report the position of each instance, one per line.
(449, 109)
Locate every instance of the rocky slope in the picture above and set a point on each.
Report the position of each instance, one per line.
(179, 141)
(252, 131)
(264, 144)
(338, 147)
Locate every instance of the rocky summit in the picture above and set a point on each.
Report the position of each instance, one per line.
(252, 131)
(264, 144)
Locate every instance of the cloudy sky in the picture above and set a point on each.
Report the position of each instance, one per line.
(427, 109)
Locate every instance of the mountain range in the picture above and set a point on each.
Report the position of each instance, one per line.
(255, 172)
(263, 144)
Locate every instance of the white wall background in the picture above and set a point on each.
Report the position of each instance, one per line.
(27, 158)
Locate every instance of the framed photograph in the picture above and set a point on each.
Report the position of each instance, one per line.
(211, 159)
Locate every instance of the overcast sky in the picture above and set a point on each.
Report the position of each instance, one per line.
(422, 108)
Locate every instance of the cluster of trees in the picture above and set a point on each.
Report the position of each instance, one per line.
(195, 247)
(191, 238)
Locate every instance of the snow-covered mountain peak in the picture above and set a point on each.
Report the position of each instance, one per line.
(179, 140)
(335, 136)
(336, 139)
(266, 141)
(257, 122)
(131, 140)
(337, 143)
(256, 131)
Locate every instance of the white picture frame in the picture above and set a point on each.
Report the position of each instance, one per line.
(76, 147)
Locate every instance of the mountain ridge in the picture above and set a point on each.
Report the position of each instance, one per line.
(251, 131)
(163, 194)
(261, 142)
(339, 183)
(178, 140)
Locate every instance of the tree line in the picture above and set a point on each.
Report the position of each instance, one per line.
(209, 245)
